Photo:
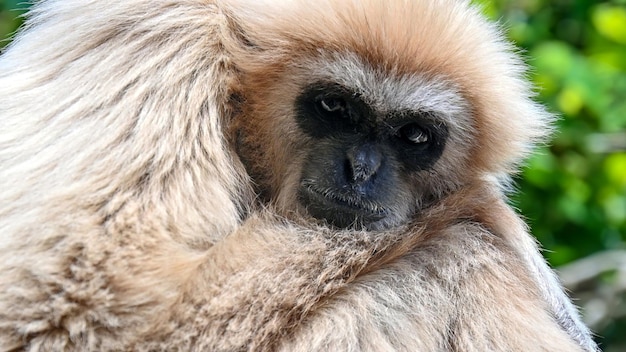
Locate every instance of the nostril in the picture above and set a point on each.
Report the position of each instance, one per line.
(364, 162)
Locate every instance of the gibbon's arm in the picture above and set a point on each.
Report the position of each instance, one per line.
(444, 284)
(251, 290)
(465, 290)
(277, 285)
(272, 284)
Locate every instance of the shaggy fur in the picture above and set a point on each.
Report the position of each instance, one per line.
(129, 222)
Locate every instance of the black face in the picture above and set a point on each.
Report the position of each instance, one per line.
(357, 172)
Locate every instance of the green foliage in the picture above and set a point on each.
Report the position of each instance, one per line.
(10, 12)
(573, 192)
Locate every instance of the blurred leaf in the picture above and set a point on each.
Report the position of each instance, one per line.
(610, 21)
(540, 169)
(10, 19)
(615, 169)
(555, 58)
(571, 100)
(561, 255)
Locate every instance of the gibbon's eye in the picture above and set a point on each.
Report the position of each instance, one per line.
(330, 104)
(414, 134)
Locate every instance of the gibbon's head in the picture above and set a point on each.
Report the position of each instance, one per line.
(361, 113)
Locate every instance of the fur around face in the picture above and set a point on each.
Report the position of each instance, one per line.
(128, 221)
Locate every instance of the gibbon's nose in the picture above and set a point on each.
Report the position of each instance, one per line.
(364, 161)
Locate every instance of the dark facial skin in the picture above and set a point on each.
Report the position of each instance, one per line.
(355, 175)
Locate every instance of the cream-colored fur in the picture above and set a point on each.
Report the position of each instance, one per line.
(129, 223)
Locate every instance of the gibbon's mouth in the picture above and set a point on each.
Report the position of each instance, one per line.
(340, 209)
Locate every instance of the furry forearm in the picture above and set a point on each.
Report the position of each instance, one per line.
(260, 282)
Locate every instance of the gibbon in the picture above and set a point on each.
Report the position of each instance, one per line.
(246, 175)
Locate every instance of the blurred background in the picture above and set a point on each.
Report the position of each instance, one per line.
(572, 192)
